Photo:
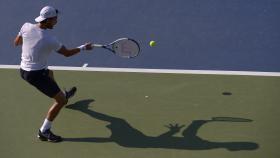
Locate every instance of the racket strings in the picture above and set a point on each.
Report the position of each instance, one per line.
(126, 48)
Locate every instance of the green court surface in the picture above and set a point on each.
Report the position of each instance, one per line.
(135, 107)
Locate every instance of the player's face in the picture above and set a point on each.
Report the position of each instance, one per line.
(51, 22)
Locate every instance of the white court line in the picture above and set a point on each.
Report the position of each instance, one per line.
(170, 71)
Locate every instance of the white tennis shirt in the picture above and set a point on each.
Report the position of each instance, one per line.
(37, 46)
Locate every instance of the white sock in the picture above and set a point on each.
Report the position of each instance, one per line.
(46, 125)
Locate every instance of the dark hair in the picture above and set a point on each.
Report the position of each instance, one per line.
(44, 21)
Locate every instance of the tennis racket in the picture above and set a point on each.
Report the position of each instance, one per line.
(123, 47)
(231, 119)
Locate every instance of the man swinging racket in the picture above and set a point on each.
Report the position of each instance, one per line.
(37, 44)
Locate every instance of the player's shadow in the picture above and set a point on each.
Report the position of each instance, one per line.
(125, 135)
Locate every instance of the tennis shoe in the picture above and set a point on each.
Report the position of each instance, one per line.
(49, 136)
(69, 94)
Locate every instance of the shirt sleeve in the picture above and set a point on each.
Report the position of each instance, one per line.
(20, 33)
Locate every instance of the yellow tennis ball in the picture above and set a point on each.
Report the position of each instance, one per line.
(152, 43)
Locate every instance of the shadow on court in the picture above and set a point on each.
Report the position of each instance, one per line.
(125, 135)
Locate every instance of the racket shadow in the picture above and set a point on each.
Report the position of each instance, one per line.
(125, 135)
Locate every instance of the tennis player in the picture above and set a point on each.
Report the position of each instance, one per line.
(37, 44)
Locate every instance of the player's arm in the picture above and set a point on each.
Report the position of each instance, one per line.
(18, 40)
(70, 52)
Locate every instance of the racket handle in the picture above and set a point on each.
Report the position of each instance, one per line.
(97, 45)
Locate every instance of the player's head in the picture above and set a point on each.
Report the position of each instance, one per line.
(48, 17)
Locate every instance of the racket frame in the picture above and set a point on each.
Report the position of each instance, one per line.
(110, 45)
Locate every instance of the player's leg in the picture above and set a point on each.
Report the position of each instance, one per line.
(49, 87)
(45, 133)
(68, 94)
(60, 101)
(44, 81)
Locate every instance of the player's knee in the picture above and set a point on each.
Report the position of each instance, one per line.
(61, 99)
